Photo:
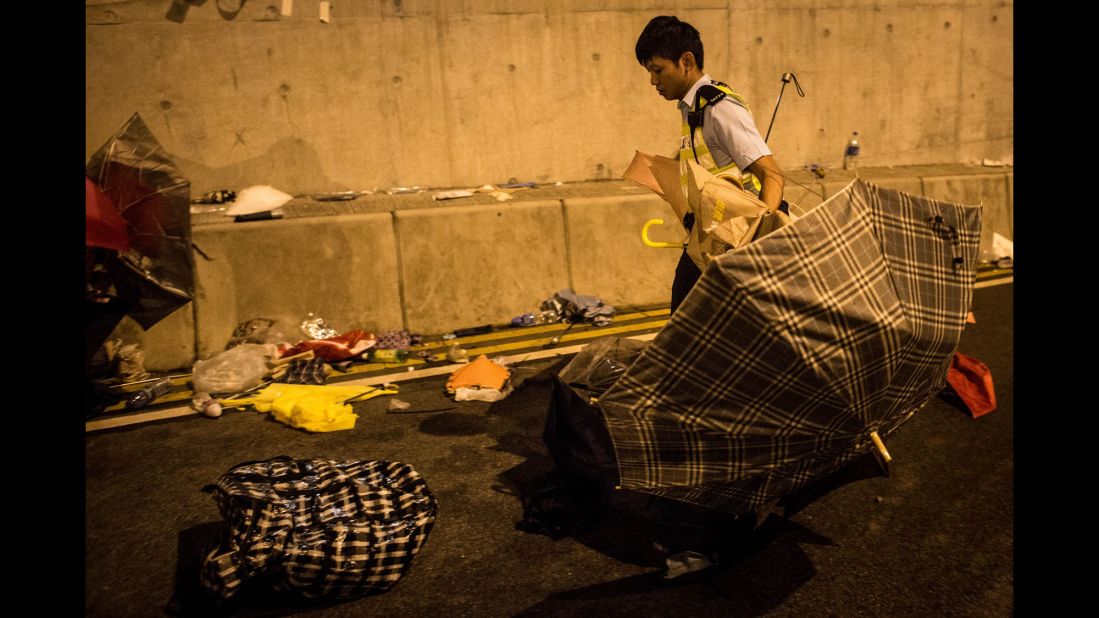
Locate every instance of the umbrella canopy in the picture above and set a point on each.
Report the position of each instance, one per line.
(792, 350)
(103, 226)
(153, 268)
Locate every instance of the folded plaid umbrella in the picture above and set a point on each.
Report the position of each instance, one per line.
(791, 351)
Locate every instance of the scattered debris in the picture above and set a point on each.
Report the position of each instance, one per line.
(457, 354)
(573, 307)
(338, 348)
(397, 405)
(143, 397)
(475, 330)
(234, 370)
(312, 408)
(481, 380)
(972, 381)
(131, 362)
(206, 405)
(313, 326)
(404, 190)
(450, 195)
(257, 199)
(216, 197)
(686, 562)
(257, 330)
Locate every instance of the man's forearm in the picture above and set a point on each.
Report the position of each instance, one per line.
(771, 182)
(771, 190)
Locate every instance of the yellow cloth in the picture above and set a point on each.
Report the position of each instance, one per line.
(311, 407)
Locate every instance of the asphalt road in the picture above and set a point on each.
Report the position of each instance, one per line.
(933, 538)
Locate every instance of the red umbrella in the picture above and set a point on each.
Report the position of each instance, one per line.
(103, 226)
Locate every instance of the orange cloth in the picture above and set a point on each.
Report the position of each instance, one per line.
(480, 373)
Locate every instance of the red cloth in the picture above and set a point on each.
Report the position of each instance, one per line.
(972, 381)
(103, 225)
(338, 348)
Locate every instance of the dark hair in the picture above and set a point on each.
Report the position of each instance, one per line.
(669, 38)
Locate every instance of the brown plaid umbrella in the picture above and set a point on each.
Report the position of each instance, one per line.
(792, 350)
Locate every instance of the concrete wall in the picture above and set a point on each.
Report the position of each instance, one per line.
(462, 93)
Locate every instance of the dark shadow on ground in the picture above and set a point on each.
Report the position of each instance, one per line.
(756, 571)
(643, 530)
(454, 424)
(865, 466)
(950, 397)
(257, 597)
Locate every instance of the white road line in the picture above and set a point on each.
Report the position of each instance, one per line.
(992, 282)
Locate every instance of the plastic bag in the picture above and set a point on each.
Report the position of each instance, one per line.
(131, 363)
(233, 370)
(257, 330)
(258, 198)
(972, 381)
(599, 364)
(482, 394)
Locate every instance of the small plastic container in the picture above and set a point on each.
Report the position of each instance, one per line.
(143, 397)
(387, 355)
(851, 152)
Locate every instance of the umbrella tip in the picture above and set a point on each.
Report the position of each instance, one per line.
(881, 452)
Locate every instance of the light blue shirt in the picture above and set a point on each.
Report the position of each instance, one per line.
(729, 130)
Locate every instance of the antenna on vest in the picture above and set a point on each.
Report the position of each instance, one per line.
(786, 77)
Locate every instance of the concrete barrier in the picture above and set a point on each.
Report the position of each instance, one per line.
(341, 268)
(464, 266)
(382, 262)
(607, 257)
(989, 190)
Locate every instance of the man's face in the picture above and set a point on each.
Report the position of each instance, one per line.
(670, 77)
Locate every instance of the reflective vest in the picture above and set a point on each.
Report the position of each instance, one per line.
(710, 94)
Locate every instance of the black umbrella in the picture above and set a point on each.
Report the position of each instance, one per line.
(155, 276)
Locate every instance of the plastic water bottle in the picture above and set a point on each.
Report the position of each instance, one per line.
(141, 398)
(387, 355)
(527, 319)
(851, 153)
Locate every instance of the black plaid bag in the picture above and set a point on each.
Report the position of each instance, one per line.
(321, 528)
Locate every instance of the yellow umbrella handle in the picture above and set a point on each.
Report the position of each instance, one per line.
(652, 243)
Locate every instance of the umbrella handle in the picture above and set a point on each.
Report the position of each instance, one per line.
(880, 452)
(878, 444)
(653, 243)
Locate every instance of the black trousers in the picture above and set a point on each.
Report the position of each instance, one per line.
(686, 274)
